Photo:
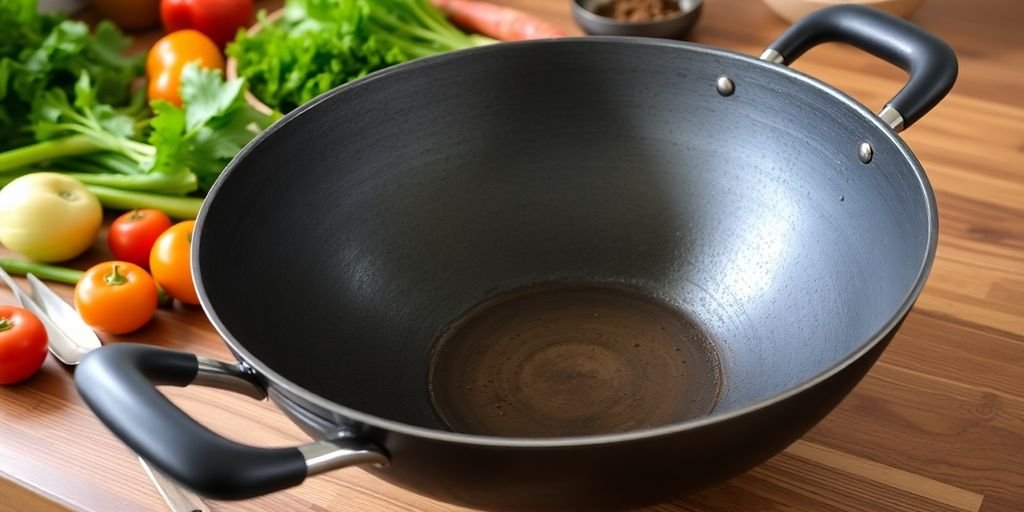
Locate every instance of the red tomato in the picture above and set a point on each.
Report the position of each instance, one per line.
(132, 235)
(22, 344)
(218, 19)
(168, 57)
(171, 265)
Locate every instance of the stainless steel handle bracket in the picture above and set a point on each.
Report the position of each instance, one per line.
(772, 56)
(892, 117)
(229, 377)
(324, 456)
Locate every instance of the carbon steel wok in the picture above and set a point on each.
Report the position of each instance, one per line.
(788, 221)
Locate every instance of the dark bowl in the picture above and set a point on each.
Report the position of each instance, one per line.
(671, 27)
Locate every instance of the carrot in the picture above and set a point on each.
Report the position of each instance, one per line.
(502, 23)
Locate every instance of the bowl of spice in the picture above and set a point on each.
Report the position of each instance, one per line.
(648, 18)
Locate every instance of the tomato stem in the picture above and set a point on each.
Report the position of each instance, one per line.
(136, 215)
(115, 278)
(162, 298)
(6, 323)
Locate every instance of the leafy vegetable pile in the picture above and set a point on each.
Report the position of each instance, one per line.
(65, 105)
(41, 53)
(319, 44)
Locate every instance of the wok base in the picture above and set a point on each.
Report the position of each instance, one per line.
(563, 359)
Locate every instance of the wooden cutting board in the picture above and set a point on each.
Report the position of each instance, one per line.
(938, 424)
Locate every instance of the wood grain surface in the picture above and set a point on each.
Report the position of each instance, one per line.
(938, 424)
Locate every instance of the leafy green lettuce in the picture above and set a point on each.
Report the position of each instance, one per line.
(40, 53)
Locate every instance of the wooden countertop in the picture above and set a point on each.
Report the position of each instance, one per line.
(938, 424)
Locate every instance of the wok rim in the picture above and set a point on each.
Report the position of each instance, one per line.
(296, 390)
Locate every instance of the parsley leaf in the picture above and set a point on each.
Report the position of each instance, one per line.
(215, 124)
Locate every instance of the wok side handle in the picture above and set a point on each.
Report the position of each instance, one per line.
(931, 63)
(118, 383)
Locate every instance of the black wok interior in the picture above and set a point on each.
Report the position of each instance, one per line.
(338, 246)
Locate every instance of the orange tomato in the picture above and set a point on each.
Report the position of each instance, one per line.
(169, 55)
(165, 87)
(116, 297)
(170, 262)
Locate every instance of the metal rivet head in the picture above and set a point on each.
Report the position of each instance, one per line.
(865, 152)
(725, 86)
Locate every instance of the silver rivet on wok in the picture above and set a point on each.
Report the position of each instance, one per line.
(725, 86)
(865, 152)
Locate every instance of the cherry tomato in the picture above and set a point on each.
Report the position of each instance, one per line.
(176, 49)
(170, 262)
(116, 297)
(218, 19)
(22, 344)
(164, 87)
(169, 55)
(132, 235)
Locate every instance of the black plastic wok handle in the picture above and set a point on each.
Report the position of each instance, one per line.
(117, 382)
(930, 62)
